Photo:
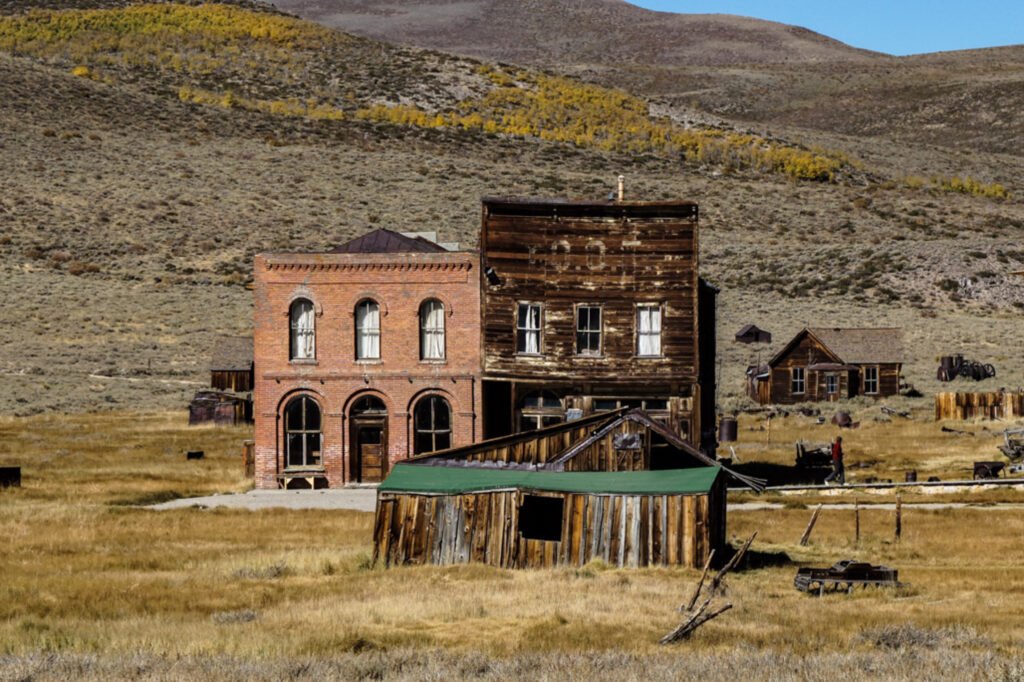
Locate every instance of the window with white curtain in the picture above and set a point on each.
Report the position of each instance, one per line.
(302, 317)
(368, 330)
(528, 329)
(648, 330)
(432, 330)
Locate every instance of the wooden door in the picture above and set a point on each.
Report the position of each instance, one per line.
(370, 462)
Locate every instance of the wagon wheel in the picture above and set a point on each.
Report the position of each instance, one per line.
(990, 370)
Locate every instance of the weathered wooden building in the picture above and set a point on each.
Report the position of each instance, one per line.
(829, 364)
(619, 487)
(231, 381)
(751, 333)
(595, 306)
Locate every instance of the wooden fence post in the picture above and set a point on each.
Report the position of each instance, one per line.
(856, 523)
(810, 526)
(899, 516)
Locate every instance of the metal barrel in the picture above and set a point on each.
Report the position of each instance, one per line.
(727, 429)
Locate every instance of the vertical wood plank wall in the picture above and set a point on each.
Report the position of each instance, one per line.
(623, 530)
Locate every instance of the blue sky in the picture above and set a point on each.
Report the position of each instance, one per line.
(894, 26)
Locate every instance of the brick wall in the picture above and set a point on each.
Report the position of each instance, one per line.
(335, 284)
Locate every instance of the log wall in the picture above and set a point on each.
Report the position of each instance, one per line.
(623, 530)
(994, 405)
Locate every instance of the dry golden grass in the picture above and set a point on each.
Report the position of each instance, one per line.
(87, 575)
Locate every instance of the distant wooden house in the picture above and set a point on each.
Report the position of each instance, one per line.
(620, 487)
(231, 381)
(829, 364)
(753, 334)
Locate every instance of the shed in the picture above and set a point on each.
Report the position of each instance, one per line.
(753, 334)
(231, 364)
(564, 495)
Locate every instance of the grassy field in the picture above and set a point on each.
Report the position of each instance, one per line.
(96, 586)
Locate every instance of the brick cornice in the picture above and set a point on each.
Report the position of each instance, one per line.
(407, 266)
(323, 376)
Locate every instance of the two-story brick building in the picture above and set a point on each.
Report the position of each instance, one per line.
(364, 356)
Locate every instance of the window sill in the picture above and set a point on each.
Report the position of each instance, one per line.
(303, 469)
(648, 357)
(529, 355)
(304, 361)
(371, 361)
(440, 361)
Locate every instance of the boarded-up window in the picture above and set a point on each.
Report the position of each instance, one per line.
(540, 518)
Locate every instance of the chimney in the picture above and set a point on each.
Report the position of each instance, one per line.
(622, 187)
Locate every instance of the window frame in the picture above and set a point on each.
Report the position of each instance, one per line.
(588, 353)
(660, 307)
(360, 331)
(303, 432)
(434, 432)
(832, 384)
(424, 331)
(876, 380)
(798, 377)
(539, 331)
(294, 331)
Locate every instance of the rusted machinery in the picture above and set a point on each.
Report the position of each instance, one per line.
(1013, 445)
(953, 366)
(813, 456)
(844, 575)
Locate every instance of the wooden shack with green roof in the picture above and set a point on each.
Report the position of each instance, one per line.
(522, 502)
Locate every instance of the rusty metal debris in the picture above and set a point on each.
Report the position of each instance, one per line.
(1013, 444)
(844, 421)
(953, 366)
(813, 456)
(845, 575)
(988, 469)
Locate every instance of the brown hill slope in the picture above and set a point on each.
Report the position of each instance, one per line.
(129, 214)
(553, 32)
(777, 75)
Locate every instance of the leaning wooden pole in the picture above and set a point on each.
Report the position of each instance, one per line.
(810, 526)
(700, 585)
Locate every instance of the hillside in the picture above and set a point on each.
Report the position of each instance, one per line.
(554, 32)
(149, 162)
(744, 69)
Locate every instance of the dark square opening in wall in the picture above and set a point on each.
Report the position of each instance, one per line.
(540, 518)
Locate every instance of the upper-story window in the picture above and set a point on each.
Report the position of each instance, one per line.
(797, 380)
(432, 330)
(302, 345)
(588, 330)
(528, 323)
(368, 330)
(871, 380)
(648, 330)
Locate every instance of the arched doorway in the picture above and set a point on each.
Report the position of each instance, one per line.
(368, 440)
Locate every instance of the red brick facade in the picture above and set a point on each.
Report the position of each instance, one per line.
(335, 381)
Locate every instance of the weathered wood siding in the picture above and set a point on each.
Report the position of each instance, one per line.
(623, 530)
(994, 405)
(808, 351)
(615, 256)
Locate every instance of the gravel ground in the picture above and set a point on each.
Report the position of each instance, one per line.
(358, 499)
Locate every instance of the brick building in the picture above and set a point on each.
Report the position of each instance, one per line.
(364, 356)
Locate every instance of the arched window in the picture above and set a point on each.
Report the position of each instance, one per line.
(433, 423)
(368, 330)
(303, 331)
(302, 437)
(432, 330)
(540, 409)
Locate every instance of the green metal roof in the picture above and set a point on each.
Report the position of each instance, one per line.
(442, 480)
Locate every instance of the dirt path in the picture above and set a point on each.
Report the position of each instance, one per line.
(358, 499)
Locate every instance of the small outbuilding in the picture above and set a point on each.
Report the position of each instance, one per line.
(753, 334)
(829, 364)
(618, 487)
(231, 380)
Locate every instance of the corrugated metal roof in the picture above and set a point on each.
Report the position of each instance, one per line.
(860, 346)
(232, 353)
(387, 241)
(417, 478)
